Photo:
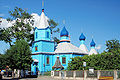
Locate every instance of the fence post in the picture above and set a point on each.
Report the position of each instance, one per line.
(85, 75)
(52, 73)
(74, 74)
(98, 74)
(115, 75)
(60, 74)
(65, 75)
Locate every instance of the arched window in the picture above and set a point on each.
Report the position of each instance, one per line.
(36, 48)
(63, 60)
(48, 60)
(47, 34)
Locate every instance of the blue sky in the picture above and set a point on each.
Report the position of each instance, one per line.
(97, 18)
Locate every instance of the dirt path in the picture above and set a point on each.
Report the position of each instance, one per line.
(39, 78)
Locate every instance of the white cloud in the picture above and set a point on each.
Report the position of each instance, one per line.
(6, 24)
(1, 15)
(98, 47)
(36, 18)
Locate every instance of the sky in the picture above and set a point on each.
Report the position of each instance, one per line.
(97, 19)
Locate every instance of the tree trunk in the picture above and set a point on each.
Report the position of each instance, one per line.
(13, 73)
(24, 72)
(10, 44)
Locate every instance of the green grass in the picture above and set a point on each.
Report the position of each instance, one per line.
(47, 74)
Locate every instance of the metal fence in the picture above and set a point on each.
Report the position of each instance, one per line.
(69, 73)
(87, 75)
(107, 73)
(118, 74)
(56, 73)
(93, 75)
(79, 73)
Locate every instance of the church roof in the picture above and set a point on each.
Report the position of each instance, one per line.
(83, 48)
(93, 51)
(43, 21)
(68, 48)
(64, 32)
(82, 37)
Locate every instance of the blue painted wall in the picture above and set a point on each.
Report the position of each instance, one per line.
(52, 58)
(42, 40)
(42, 64)
(75, 55)
(64, 38)
(82, 42)
(42, 34)
(43, 46)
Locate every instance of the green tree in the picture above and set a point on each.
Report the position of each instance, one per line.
(22, 54)
(19, 55)
(53, 26)
(2, 61)
(21, 29)
(54, 29)
(112, 45)
(56, 40)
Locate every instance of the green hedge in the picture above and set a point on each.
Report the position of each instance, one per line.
(103, 61)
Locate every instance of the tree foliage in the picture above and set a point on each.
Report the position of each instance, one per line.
(53, 26)
(54, 29)
(112, 45)
(2, 61)
(19, 55)
(109, 60)
(5, 36)
(20, 29)
(103, 61)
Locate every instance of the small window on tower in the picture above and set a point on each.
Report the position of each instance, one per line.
(36, 34)
(47, 34)
(47, 60)
(36, 48)
(63, 60)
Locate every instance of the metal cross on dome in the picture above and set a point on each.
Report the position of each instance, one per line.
(42, 4)
(64, 22)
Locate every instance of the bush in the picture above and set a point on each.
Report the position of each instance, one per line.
(103, 61)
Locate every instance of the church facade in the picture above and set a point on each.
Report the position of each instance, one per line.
(44, 53)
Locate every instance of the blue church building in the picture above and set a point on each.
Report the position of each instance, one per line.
(44, 53)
